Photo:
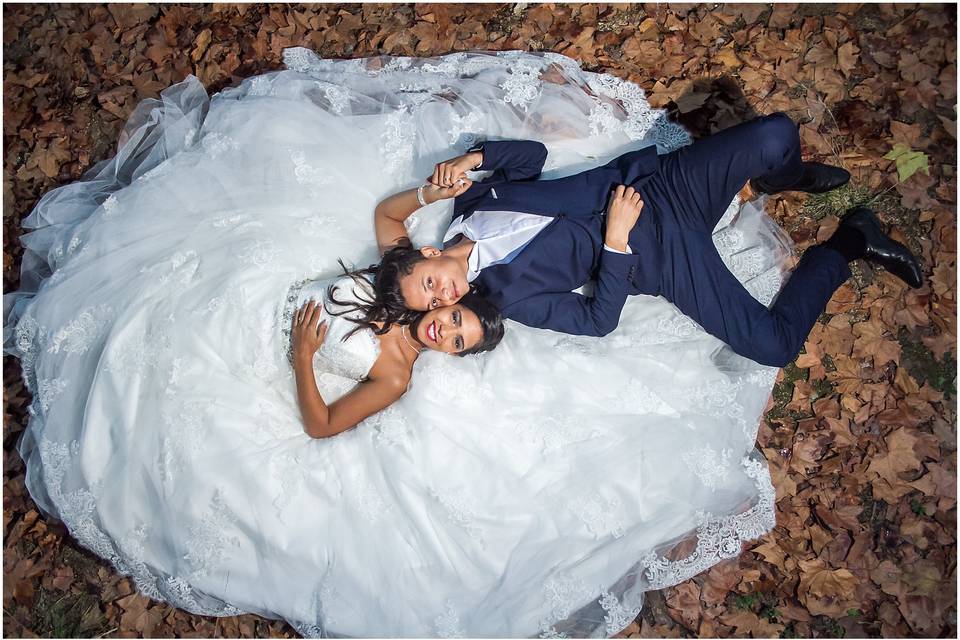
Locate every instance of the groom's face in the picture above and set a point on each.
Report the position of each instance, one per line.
(438, 281)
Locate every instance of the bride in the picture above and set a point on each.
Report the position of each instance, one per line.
(539, 489)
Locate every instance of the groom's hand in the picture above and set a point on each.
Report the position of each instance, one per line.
(622, 215)
(445, 174)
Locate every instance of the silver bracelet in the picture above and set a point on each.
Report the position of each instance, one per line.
(420, 198)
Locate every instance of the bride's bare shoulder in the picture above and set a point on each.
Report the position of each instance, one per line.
(395, 363)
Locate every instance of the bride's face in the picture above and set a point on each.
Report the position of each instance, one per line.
(438, 281)
(449, 329)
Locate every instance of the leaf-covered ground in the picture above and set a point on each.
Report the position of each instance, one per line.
(861, 431)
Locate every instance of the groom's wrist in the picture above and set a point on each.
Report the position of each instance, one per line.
(474, 160)
(475, 155)
(616, 243)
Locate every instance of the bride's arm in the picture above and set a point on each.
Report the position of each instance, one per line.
(389, 216)
(366, 399)
(386, 384)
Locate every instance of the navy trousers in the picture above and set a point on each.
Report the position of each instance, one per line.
(689, 193)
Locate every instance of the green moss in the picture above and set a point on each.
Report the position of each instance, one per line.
(828, 364)
(924, 367)
(71, 615)
(833, 628)
(82, 563)
(873, 509)
(797, 91)
(837, 201)
(746, 602)
(621, 19)
(506, 20)
(770, 613)
(783, 391)
(822, 388)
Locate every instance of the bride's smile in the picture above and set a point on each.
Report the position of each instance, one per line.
(449, 329)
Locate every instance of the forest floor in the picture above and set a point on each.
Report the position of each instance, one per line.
(860, 434)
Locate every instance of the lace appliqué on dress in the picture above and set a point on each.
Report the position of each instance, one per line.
(464, 128)
(718, 538)
(325, 601)
(370, 504)
(111, 206)
(397, 140)
(261, 253)
(708, 465)
(602, 119)
(551, 433)
(139, 351)
(522, 86)
(392, 428)
(448, 377)
(208, 543)
(216, 144)
(599, 514)
(260, 86)
(447, 624)
(337, 97)
(291, 473)
(456, 505)
(80, 333)
(639, 398)
(562, 596)
(236, 222)
(47, 390)
(307, 174)
(185, 428)
(617, 616)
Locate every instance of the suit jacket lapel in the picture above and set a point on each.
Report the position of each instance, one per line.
(507, 282)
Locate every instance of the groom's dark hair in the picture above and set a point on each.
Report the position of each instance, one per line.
(395, 264)
(386, 305)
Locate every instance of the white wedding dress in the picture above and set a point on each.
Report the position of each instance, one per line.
(539, 489)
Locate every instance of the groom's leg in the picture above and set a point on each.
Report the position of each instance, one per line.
(701, 179)
(699, 283)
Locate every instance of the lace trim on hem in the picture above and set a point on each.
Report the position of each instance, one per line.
(521, 88)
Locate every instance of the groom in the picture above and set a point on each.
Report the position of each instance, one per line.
(641, 224)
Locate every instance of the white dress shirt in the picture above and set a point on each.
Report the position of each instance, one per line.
(498, 236)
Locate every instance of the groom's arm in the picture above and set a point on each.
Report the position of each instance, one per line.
(578, 314)
(599, 315)
(390, 215)
(512, 159)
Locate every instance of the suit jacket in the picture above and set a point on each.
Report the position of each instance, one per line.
(536, 287)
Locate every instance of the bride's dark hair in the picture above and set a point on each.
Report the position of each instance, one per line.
(385, 305)
(490, 321)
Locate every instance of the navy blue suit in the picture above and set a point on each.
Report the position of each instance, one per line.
(684, 194)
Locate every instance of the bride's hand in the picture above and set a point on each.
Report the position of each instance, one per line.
(306, 335)
(432, 193)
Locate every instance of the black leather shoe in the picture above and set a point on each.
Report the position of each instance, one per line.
(881, 249)
(817, 178)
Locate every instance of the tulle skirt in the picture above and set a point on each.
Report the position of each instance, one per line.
(539, 489)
